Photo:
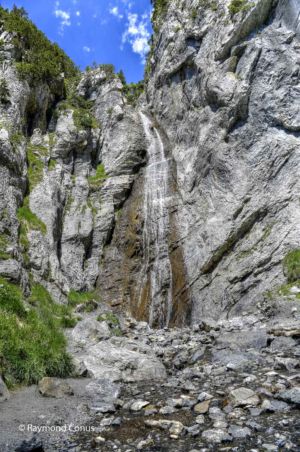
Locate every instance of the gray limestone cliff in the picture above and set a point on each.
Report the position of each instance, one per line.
(182, 207)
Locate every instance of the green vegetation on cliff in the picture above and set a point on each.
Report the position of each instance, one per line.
(32, 344)
(237, 6)
(160, 8)
(291, 265)
(99, 178)
(40, 59)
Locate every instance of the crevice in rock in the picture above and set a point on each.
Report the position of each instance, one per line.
(231, 241)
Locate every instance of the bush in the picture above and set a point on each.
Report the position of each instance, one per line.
(291, 265)
(32, 344)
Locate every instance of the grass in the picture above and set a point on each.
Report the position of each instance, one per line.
(35, 157)
(4, 242)
(32, 344)
(75, 298)
(291, 265)
(29, 220)
(52, 164)
(98, 179)
(112, 321)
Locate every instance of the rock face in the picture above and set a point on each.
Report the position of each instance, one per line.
(226, 96)
(178, 209)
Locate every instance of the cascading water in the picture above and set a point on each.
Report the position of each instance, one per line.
(156, 271)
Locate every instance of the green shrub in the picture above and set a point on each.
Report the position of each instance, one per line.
(32, 344)
(83, 119)
(133, 91)
(291, 265)
(99, 178)
(237, 6)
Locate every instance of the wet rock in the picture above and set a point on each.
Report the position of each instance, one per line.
(243, 397)
(54, 387)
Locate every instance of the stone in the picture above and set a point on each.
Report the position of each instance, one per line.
(176, 429)
(291, 395)
(139, 405)
(216, 436)
(202, 408)
(200, 419)
(238, 432)
(103, 395)
(119, 359)
(243, 397)
(274, 405)
(54, 387)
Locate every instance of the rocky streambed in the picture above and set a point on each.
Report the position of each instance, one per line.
(232, 385)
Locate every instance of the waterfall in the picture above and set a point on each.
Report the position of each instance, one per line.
(156, 272)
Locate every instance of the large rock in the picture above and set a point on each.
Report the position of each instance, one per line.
(54, 387)
(119, 359)
(243, 397)
(4, 393)
(103, 394)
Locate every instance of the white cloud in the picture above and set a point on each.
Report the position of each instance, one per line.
(115, 12)
(137, 34)
(64, 17)
(77, 13)
(87, 49)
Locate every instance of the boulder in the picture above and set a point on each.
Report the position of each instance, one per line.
(54, 387)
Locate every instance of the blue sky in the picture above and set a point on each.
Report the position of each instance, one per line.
(104, 31)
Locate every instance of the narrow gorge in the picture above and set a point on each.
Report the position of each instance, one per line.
(150, 237)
